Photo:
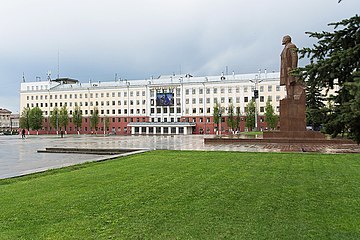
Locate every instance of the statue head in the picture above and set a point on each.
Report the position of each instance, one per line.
(286, 39)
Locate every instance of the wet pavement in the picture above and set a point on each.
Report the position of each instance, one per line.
(19, 156)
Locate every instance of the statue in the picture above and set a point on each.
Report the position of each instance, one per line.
(289, 60)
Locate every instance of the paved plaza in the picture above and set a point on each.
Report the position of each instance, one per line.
(20, 157)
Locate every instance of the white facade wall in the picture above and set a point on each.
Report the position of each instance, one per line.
(193, 97)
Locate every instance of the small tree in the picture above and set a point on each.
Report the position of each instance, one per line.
(238, 118)
(77, 118)
(270, 117)
(24, 120)
(250, 115)
(36, 119)
(107, 123)
(231, 121)
(54, 119)
(94, 119)
(63, 118)
(217, 115)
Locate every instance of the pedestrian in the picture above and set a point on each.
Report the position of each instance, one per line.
(23, 133)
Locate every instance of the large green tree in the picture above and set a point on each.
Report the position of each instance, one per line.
(250, 115)
(335, 62)
(270, 117)
(36, 119)
(77, 118)
(24, 120)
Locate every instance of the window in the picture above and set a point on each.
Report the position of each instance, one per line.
(261, 109)
(245, 89)
(207, 90)
(201, 91)
(193, 91)
(246, 99)
(194, 100)
(277, 98)
(270, 98)
(200, 100)
(207, 100)
(186, 91)
(222, 90)
(187, 101)
(269, 88)
(215, 90)
(277, 88)
(261, 98)
(229, 90)
(261, 88)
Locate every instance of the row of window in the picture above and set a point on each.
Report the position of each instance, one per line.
(85, 95)
(230, 90)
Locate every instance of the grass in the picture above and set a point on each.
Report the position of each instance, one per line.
(252, 133)
(188, 195)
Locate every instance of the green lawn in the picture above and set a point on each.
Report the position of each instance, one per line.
(189, 195)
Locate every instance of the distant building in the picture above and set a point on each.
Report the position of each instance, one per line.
(173, 104)
(5, 121)
(15, 122)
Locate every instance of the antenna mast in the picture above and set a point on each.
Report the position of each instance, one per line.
(58, 65)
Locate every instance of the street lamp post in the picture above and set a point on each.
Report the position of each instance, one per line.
(220, 120)
(256, 81)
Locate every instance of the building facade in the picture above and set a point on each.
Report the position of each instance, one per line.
(5, 121)
(174, 104)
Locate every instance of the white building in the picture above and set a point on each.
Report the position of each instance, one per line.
(5, 121)
(135, 106)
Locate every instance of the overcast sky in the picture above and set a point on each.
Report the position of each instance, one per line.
(138, 39)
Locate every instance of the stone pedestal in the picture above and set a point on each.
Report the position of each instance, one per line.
(293, 121)
(292, 115)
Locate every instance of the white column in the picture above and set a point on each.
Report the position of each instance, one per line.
(169, 130)
(154, 130)
(140, 130)
(185, 130)
(162, 130)
(177, 130)
(147, 130)
(132, 130)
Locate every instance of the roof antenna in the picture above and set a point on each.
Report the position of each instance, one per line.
(23, 77)
(58, 65)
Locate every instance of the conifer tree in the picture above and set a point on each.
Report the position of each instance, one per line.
(335, 61)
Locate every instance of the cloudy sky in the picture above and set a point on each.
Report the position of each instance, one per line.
(137, 39)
